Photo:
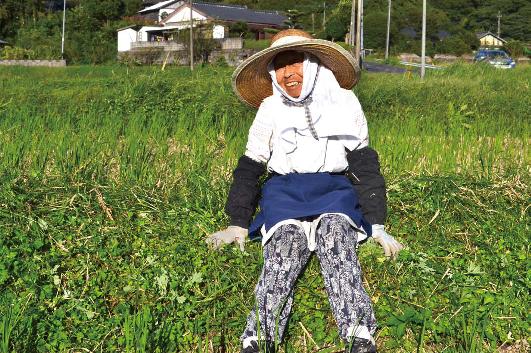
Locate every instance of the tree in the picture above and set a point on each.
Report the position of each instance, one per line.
(104, 10)
(294, 18)
(375, 29)
(239, 29)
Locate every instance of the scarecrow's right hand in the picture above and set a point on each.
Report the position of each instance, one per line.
(226, 236)
(389, 244)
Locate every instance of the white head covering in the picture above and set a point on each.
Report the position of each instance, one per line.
(310, 68)
(334, 111)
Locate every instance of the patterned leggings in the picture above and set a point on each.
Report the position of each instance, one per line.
(285, 256)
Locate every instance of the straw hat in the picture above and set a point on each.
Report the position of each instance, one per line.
(251, 80)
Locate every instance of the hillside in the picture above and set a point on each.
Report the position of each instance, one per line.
(452, 24)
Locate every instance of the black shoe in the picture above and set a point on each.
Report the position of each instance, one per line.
(361, 345)
(267, 347)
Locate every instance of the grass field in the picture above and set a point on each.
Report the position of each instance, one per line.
(112, 177)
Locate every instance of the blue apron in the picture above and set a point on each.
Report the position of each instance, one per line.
(297, 196)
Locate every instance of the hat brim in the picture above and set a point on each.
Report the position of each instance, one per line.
(251, 80)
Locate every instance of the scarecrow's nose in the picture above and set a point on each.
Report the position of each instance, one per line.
(289, 72)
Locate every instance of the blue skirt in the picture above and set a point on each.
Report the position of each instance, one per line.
(300, 196)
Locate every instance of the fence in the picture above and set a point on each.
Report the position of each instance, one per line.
(166, 46)
(226, 44)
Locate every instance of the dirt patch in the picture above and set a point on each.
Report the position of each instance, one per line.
(520, 346)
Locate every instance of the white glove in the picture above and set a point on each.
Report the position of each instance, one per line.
(226, 236)
(389, 244)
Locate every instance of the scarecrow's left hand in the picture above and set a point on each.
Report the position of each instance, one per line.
(390, 245)
(232, 234)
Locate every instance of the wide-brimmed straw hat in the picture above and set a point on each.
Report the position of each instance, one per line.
(251, 80)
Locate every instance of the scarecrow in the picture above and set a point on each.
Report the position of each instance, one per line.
(324, 191)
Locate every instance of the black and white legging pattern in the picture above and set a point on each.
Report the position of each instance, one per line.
(285, 256)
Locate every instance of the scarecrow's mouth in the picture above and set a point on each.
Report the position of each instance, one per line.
(292, 84)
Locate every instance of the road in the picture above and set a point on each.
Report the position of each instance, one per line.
(376, 67)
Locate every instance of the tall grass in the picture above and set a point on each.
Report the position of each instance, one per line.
(144, 125)
(111, 178)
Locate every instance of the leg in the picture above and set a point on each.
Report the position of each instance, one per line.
(336, 250)
(285, 256)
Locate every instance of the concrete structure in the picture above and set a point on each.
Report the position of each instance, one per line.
(487, 39)
(444, 58)
(46, 63)
(467, 58)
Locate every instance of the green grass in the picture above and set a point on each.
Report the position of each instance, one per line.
(111, 178)
(256, 44)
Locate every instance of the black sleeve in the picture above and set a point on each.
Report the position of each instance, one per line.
(244, 192)
(364, 170)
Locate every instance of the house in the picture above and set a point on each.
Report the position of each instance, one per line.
(172, 16)
(487, 39)
(145, 36)
(222, 16)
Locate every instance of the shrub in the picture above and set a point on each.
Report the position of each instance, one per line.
(17, 53)
(515, 48)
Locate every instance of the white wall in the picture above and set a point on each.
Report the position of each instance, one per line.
(491, 40)
(183, 14)
(218, 32)
(142, 35)
(125, 38)
(167, 10)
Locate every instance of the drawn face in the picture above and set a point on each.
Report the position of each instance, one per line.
(289, 73)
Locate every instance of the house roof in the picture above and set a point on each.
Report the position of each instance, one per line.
(161, 5)
(484, 34)
(235, 13)
(3, 42)
(134, 27)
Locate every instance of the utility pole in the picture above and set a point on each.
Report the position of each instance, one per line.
(358, 31)
(388, 31)
(63, 36)
(499, 17)
(191, 37)
(423, 57)
(362, 45)
(324, 15)
(352, 38)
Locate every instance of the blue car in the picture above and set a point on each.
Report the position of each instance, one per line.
(495, 57)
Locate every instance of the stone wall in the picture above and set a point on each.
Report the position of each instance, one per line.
(46, 63)
(182, 57)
